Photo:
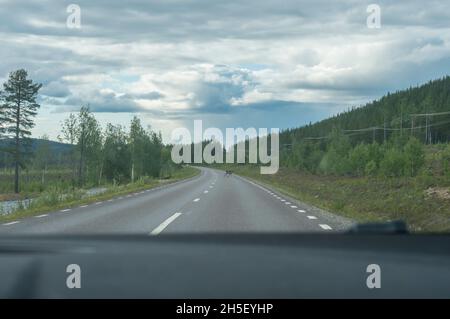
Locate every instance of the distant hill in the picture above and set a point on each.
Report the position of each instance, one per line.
(35, 142)
(392, 113)
(57, 150)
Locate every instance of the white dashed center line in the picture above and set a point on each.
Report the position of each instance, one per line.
(206, 192)
(325, 226)
(196, 200)
(312, 217)
(301, 211)
(164, 224)
(83, 206)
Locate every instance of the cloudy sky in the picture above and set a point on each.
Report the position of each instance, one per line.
(251, 63)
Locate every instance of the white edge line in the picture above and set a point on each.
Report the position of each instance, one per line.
(11, 223)
(164, 224)
(196, 200)
(312, 217)
(40, 216)
(325, 226)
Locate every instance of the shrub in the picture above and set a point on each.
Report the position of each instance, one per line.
(445, 158)
(393, 163)
(358, 159)
(371, 168)
(335, 160)
(414, 155)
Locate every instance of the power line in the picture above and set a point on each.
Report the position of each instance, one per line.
(375, 128)
(430, 114)
(384, 128)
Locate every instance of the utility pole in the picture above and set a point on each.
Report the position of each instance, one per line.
(430, 140)
(401, 122)
(428, 125)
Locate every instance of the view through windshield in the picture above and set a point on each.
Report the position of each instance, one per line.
(176, 117)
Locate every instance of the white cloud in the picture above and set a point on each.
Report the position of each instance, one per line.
(174, 59)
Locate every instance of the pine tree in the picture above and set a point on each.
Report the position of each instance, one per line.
(19, 107)
(2, 117)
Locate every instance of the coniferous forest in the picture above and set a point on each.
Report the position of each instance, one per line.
(387, 136)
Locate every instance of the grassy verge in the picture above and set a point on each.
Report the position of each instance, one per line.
(364, 199)
(53, 201)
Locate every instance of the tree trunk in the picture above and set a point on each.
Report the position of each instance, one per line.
(16, 177)
(17, 150)
(73, 161)
(43, 174)
(80, 168)
(100, 175)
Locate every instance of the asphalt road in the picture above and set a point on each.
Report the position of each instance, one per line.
(207, 203)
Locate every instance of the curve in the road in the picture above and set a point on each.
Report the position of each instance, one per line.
(210, 202)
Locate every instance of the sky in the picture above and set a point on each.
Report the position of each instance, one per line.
(272, 64)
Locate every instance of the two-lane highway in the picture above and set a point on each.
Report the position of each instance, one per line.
(210, 202)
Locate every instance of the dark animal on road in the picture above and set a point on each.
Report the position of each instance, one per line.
(228, 173)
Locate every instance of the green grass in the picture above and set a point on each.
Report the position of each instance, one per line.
(31, 182)
(54, 200)
(364, 199)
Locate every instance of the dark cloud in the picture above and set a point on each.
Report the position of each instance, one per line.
(55, 89)
(215, 95)
(190, 19)
(101, 102)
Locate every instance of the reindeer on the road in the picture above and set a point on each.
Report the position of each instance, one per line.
(228, 173)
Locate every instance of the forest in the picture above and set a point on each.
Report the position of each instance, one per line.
(87, 155)
(387, 137)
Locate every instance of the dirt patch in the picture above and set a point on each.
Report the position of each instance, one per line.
(12, 196)
(438, 192)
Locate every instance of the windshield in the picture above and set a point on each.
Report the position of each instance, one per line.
(168, 117)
